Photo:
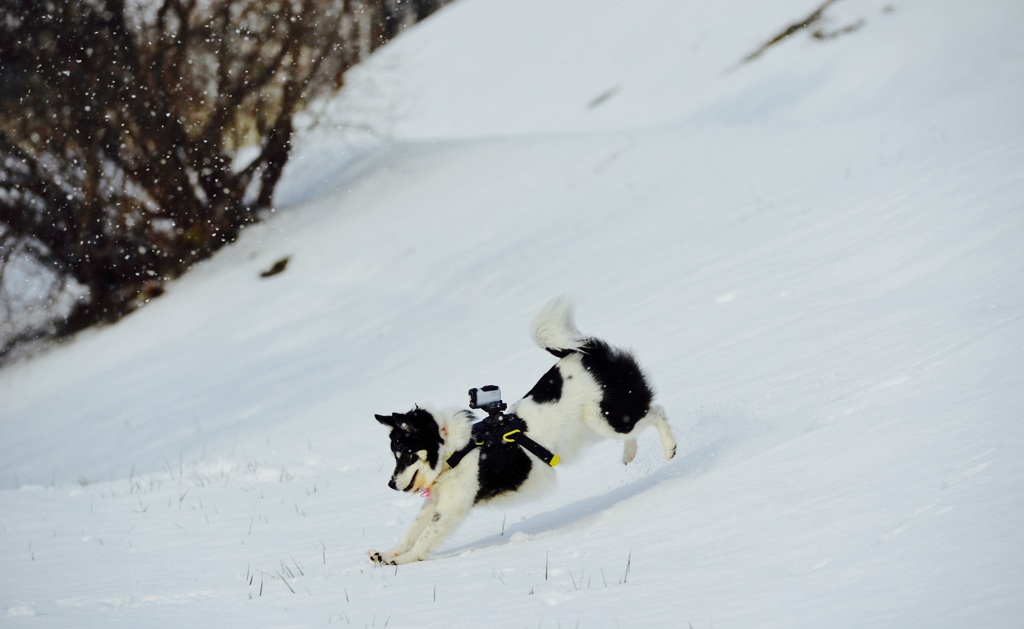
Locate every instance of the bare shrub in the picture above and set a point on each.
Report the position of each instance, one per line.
(121, 124)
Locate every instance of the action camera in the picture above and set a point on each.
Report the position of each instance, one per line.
(487, 399)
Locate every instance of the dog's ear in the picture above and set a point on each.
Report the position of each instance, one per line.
(387, 420)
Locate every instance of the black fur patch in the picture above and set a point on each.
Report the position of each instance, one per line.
(548, 388)
(559, 353)
(503, 469)
(627, 396)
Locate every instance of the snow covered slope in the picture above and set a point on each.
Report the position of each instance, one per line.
(816, 255)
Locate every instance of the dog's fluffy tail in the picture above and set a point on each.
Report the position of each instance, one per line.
(555, 331)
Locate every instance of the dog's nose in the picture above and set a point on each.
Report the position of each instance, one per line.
(391, 484)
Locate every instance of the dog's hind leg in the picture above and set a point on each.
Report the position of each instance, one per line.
(655, 417)
(629, 451)
(659, 419)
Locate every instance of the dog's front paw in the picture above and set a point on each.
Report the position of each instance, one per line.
(381, 558)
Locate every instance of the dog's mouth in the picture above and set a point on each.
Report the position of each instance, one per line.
(412, 483)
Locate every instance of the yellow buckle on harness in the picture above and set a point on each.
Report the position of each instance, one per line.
(505, 437)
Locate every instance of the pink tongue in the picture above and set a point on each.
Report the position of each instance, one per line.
(425, 493)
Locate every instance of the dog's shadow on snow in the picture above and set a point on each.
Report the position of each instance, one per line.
(693, 463)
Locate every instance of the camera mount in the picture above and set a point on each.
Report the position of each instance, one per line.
(499, 429)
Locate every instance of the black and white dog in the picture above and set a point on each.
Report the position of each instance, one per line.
(593, 391)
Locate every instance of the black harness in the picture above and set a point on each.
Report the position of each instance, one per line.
(497, 430)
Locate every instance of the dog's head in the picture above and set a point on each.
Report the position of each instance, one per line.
(416, 443)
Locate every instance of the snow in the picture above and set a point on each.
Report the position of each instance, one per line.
(815, 255)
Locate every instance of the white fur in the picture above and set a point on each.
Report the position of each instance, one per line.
(554, 328)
